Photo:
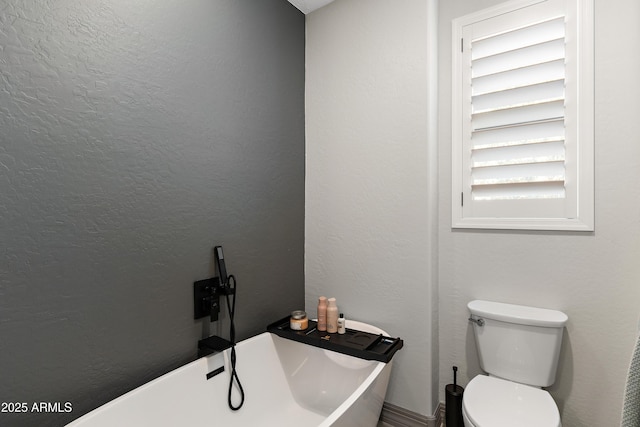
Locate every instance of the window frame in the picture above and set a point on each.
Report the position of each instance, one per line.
(580, 187)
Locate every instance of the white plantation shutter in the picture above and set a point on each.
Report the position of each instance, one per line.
(518, 150)
(517, 113)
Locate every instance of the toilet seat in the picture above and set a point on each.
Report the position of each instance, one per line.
(493, 402)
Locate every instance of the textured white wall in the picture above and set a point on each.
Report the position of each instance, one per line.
(368, 212)
(593, 277)
(365, 190)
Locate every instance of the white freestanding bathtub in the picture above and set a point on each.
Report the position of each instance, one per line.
(286, 383)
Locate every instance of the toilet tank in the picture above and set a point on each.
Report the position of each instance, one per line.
(516, 342)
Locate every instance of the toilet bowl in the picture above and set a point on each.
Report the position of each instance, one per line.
(518, 347)
(494, 402)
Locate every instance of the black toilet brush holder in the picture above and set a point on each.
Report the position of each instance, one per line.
(453, 402)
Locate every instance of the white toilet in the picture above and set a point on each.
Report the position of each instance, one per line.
(518, 347)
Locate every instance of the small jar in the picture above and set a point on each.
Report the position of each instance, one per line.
(298, 321)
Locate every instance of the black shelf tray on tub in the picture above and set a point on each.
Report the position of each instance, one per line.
(356, 343)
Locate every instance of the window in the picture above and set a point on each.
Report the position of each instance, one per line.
(523, 117)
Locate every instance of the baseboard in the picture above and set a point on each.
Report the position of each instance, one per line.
(400, 417)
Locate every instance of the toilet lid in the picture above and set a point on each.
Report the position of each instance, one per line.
(493, 402)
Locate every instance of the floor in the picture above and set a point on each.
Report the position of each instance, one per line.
(383, 424)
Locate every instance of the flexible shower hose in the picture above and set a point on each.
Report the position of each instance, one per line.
(232, 338)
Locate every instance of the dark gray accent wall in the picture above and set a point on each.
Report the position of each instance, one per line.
(135, 136)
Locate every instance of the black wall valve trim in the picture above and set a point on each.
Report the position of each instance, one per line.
(206, 298)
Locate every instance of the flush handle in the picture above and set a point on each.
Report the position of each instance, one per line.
(478, 321)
